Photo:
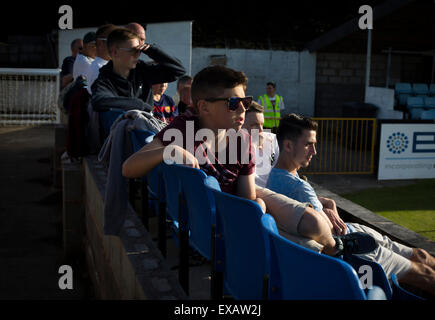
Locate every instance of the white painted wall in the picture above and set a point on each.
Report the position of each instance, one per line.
(383, 98)
(173, 37)
(294, 73)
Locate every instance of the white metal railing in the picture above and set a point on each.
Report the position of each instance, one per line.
(29, 96)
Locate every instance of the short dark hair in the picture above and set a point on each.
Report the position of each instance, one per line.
(292, 126)
(255, 107)
(104, 30)
(74, 42)
(270, 83)
(118, 36)
(211, 81)
(184, 79)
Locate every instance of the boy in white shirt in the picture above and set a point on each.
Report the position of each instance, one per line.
(84, 59)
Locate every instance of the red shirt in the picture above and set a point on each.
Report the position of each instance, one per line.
(219, 165)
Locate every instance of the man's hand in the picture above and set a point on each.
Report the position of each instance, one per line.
(144, 47)
(330, 209)
(177, 154)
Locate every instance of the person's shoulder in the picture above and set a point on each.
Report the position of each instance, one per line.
(169, 99)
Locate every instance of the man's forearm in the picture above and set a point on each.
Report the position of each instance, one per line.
(142, 162)
(167, 69)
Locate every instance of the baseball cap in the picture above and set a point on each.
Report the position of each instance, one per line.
(89, 37)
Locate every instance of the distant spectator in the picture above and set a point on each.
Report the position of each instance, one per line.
(164, 107)
(139, 30)
(85, 58)
(102, 54)
(273, 105)
(181, 83)
(125, 80)
(68, 62)
(185, 99)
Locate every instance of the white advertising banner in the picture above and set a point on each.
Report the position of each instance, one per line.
(407, 151)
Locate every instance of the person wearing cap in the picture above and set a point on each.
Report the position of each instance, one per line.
(85, 58)
(273, 104)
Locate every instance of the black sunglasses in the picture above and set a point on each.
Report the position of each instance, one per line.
(233, 103)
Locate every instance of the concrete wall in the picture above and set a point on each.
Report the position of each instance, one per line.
(340, 77)
(125, 267)
(294, 72)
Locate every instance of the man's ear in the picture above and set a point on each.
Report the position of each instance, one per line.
(288, 145)
(203, 107)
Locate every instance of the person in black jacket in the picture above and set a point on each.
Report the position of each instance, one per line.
(125, 81)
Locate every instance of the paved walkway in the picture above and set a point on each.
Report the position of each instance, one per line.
(31, 220)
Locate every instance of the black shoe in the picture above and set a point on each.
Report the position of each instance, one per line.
(355, 243)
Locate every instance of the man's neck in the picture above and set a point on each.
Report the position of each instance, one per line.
(219, 135)
(104, 57)
(284, 163)
(121, 71)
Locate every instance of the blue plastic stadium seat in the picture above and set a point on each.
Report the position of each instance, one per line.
(302, 274)
(402, 91)
(432, 89)
(199, 212)
(429, 102)
(428, 114)
(402, 87)
(420, 89)
(246, 249)
(107, 118)
(415, 106)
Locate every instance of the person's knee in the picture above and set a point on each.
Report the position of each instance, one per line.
(420, 255)
(261, 203)
(312, 224)
(419, 271)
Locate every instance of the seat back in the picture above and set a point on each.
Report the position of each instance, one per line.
(420, 89)
(246, 257)
(432, 89)
(139, 138)
(172, 188)
(429, 102)
(300, 273)
(413, 102)
(200, 207)
(379, 277)
(107, 118)
(402, 87)
(428, 114)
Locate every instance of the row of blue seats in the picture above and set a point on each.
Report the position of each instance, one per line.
(259, 263)
(249, 258)
(403, 90)
(421, 107)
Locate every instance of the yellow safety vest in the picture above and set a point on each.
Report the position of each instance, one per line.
(271, 113)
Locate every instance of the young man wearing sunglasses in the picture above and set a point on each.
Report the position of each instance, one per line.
(125, 80)
(219, 105)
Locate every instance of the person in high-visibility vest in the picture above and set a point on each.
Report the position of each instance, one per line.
(273, 104)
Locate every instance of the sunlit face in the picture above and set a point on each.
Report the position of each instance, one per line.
(255, 121)
(126, 55)
(159, 88)
(304, 149)
(220, 117)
